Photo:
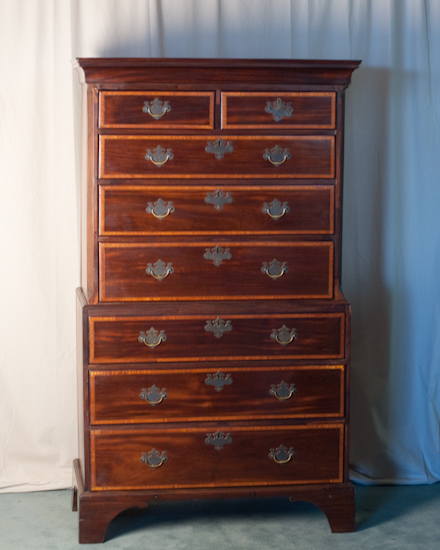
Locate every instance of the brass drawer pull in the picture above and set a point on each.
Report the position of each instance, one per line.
(218, 199)
(159, 156)
(282, 455)
(275, 269)
(154, 459)
(160, 209)
(276, 209)
(282, 391)
(160, 270)
(153, 395)
(156, 108)
(277, 155)
(219, 148)
(218, 327)
(279, 109)
(218, 380)
(152, 337)
(284, 335)
(217, 254)
(218, 439)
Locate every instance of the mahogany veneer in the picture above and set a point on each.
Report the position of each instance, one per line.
(118, 397)
(122, 210)
(124, 157)
(309, 110)
(123, 267)
(115, 453)
(116, 339)
(213, 339)
(191, 110)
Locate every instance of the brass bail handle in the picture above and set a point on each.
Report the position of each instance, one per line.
(277, 155)
(284, 335)
(160, 209)
(275, 269)
(276, 209)
(282, 391)
(152, 337)
(160, 270)
(153, 395)
(282, 455)
(154, 459)
(156, 108)
(159, 156)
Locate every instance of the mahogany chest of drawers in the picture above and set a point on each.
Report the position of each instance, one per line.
(213, 339)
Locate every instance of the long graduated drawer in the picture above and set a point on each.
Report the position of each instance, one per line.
(142, 339)
(216, 456)
(222, 393)
(210, 271)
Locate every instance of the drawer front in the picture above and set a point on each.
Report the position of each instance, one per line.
(144, 396)
(215, 338)
(285, 110)
(192, 110)
(236, 156)
(207, 271)
(208, 210)
(218, 456)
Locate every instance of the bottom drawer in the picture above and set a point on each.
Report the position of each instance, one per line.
(219, 456)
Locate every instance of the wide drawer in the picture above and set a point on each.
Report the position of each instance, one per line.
(157, 110)
(201, 157)
(284, 110)
(216, 456)
(177, 395)
(208, 271)
(208, 210)
(215, 338)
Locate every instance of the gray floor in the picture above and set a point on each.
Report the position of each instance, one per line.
(403, 517)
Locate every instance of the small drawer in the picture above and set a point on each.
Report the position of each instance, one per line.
(259, 157)
(211, 271)
(192, 110)
(222, 393)
(262, 110)
(208, 210)
(168, 338)
(216, 456)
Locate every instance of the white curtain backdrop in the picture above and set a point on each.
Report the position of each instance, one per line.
(391, 246)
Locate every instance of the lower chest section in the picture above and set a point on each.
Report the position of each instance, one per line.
(216, 394)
